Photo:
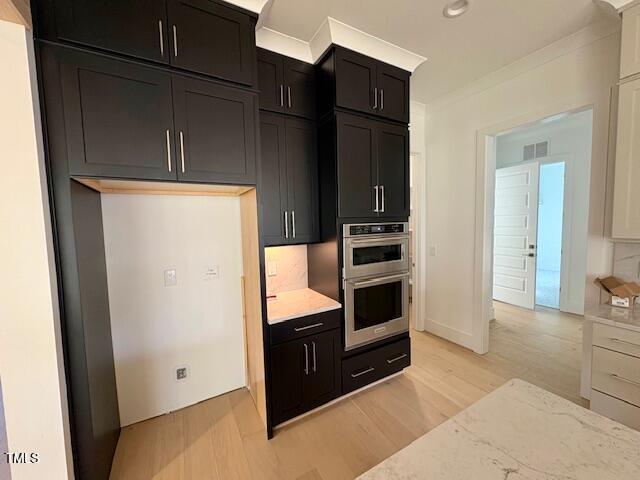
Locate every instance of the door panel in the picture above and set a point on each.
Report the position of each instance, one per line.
(273, 191)
(218, 132)
(393, 170)
(287, 379)
(302, 175)
(300, 85)
(393, 88)
(515, 231)
(131, 28)
(323, 380)
(118, 117)
(355, 81)
(212, 39)
(357, 171)
(270, 80)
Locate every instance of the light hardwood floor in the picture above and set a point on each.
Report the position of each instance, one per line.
(222, 438)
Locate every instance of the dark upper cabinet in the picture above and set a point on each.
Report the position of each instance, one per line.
(214, 132)
(289, 185)
(286, 85)
(209, 37)
(305, 373)
(136, 28)
(213, 39)
(356, 82)
(118, 119)
(372, 168)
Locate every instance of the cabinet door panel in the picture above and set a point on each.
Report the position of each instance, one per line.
(218, 132)
(302, 179)
(132, 28)
(300, 85)
(355, 81)
(287, 380)
(117, 117)
(212, 39)
(270, 81)
(323, 381)
(393, 91)
(393, 169)
(273, 186)
(357, 171)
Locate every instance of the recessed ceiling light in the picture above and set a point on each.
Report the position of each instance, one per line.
(456, 8)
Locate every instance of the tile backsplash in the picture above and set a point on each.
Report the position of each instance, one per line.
(626, 261)
(290, 266)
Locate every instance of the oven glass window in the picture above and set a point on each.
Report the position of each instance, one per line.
(377, 304)
(380, 254)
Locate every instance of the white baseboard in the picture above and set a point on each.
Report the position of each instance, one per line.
(448, 333)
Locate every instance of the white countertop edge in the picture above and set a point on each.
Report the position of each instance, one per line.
(337, 306)
(611, 322)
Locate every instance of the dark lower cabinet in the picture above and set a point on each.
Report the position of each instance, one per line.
(305, 373)
(214, 132)
(118, 117)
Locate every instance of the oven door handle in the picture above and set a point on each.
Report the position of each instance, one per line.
(399, 240)
(380, 279)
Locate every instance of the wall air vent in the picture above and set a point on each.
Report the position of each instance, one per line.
(535, 150)
(542, 149)
(529, 152)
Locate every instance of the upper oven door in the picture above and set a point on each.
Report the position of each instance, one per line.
(375, 255)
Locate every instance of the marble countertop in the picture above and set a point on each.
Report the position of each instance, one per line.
(519, 432)
(616, 316)
(298, 303)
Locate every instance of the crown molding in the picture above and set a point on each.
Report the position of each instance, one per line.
(620, 5)
(255, 6)
(283, 44)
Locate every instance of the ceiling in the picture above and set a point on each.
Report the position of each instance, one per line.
(491, 35)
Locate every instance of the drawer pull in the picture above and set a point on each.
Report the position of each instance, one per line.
(626, 380)
(302, 329)
(364, 372)
(617, 340)
(399, 357)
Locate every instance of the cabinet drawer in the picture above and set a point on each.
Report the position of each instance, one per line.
(618, 339)
(616, 374)
(303, 326)
(615, 409)
(368, 367)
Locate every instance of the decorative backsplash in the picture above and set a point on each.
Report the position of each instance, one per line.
(626, 261)
(290, 265)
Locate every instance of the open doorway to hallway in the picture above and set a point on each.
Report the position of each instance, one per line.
(541, 213)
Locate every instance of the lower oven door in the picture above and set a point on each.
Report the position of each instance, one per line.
(376, 308)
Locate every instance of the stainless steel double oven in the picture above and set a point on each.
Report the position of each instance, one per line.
(375, 281)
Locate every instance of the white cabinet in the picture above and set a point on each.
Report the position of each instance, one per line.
(626, 195)
(630, 50)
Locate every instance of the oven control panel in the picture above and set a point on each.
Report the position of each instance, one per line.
(376, 229)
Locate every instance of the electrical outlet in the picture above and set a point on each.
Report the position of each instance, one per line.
(212, 273)
(182, 373)
(170, 278)
(272, 269)
(432, 251)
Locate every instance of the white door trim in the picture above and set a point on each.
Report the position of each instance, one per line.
(420, 239)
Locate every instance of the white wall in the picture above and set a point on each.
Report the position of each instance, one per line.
(197, 323)
(31, 364)
(569, 140)
(576, 72)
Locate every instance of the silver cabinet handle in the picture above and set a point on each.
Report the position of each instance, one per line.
(161, 38)
(293, 223)
(359, 374)
(182, 150)
(624, 341)
(175, 41)
(308, 327)
(375, 98)
(399, 357)
(382, 195)
(286, 224)
(375, 189)
(168, 149)
(281, 95)
(381, 99)
(314, 356)
(289, 97)
(626, 380)
(306, 359)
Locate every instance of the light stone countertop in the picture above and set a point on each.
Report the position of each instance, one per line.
(519, 432)
(298, 303)
(616, 316)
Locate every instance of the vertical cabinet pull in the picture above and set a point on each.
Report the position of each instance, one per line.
(175, 41)
(161, 38)
(306, 359)
(375, 98)
(182, 150)
(293, 223)
(281, 95)
(289, 97)
(168, 149)
(375, 190)
(382, 195)
(286, 224)
(381, 99)
(314, 356)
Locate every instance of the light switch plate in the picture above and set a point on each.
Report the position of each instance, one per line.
(170, 278)
(272, 269)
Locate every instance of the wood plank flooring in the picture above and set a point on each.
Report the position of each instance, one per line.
(223, 438)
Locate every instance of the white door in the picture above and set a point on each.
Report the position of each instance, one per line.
(515, 233)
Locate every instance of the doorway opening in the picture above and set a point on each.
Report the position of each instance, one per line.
(541, 213)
